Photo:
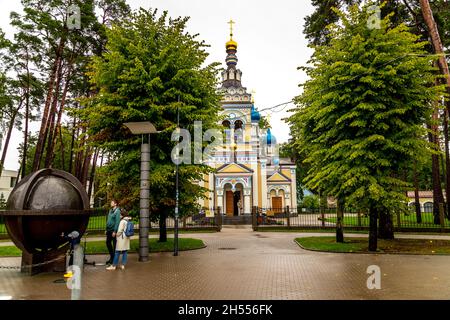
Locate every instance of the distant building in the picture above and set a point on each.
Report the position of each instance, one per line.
(425, 200)
(8, 180)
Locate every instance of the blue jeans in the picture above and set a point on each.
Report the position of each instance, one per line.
(124, 257)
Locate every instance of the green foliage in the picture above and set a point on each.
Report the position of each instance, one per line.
(405, 246)
(264, 123)
(150, 62)
(99, 247)
(360, 117)
(315, 28)
(310, 202)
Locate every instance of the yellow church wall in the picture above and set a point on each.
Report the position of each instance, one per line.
(277, 177)
(233, 168)
(286, 172)
(206, 179)
(260, 180)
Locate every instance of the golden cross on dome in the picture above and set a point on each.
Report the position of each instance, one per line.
(253, 95)
(231, 22)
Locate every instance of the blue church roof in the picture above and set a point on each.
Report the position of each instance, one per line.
(256, 116)
(270, 139)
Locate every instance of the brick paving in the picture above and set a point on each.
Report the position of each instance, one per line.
(241, 264)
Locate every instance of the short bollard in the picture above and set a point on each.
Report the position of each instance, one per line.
(74, 282)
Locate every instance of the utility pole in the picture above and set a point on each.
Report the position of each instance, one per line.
(175, 243)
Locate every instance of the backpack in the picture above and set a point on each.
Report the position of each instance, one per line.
(129, 229)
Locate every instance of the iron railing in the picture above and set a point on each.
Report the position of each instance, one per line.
(97, 222)
(3, 231)
(352, 219)
(302, 218)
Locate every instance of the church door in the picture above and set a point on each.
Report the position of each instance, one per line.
(230, 203)
(277, 204)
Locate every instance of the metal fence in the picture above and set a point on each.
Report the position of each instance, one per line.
(284, 218)
(97, 222)
(352, 219)
(203, 220)
(3, 231)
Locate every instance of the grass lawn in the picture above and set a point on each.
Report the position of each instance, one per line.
(99, 247)
(406, 220)
(417, 246)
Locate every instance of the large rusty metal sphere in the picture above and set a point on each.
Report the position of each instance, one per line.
(62, 197)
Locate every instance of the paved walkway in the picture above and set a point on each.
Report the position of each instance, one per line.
(241, 264)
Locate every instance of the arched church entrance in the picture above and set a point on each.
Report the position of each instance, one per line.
(233, 199)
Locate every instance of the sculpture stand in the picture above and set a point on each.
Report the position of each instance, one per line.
(31, 262)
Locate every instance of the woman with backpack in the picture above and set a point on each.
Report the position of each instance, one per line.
(123, 241)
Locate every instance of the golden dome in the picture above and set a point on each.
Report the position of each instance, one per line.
(231, 44)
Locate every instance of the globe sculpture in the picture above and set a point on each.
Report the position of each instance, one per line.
(43, 205)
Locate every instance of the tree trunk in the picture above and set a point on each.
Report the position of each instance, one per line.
(25, 138)
(447, 162)
(443, 66)
(162, 225)
(416, 195)
(92, 176)
(435, 39)
(437, 189)
(85, 167)
(72, 145)
(386, 228)
(373, 217)
(54, 134)
(8, 136)
(339, 225)
(79, 154)
(27, 117)
(63, 157)
(45, 116)
(52, 123)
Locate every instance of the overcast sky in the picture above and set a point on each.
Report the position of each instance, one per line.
(271, 46)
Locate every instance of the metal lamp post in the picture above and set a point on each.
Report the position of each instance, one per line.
(143, 128)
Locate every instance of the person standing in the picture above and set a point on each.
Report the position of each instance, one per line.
(112, 225)
(239, 205)
(123, 243)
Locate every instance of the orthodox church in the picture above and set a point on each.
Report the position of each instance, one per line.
(248, 170)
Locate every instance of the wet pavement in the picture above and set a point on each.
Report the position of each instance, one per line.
(241, 264)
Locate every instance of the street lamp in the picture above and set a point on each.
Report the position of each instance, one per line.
(143, 128)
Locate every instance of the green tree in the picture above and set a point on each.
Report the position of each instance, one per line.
(152, 68)
(264, 123)
(315, 28)
(49, 61)
(360, 117)
(310, 202)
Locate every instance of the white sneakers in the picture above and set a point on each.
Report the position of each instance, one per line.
(114, 267)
